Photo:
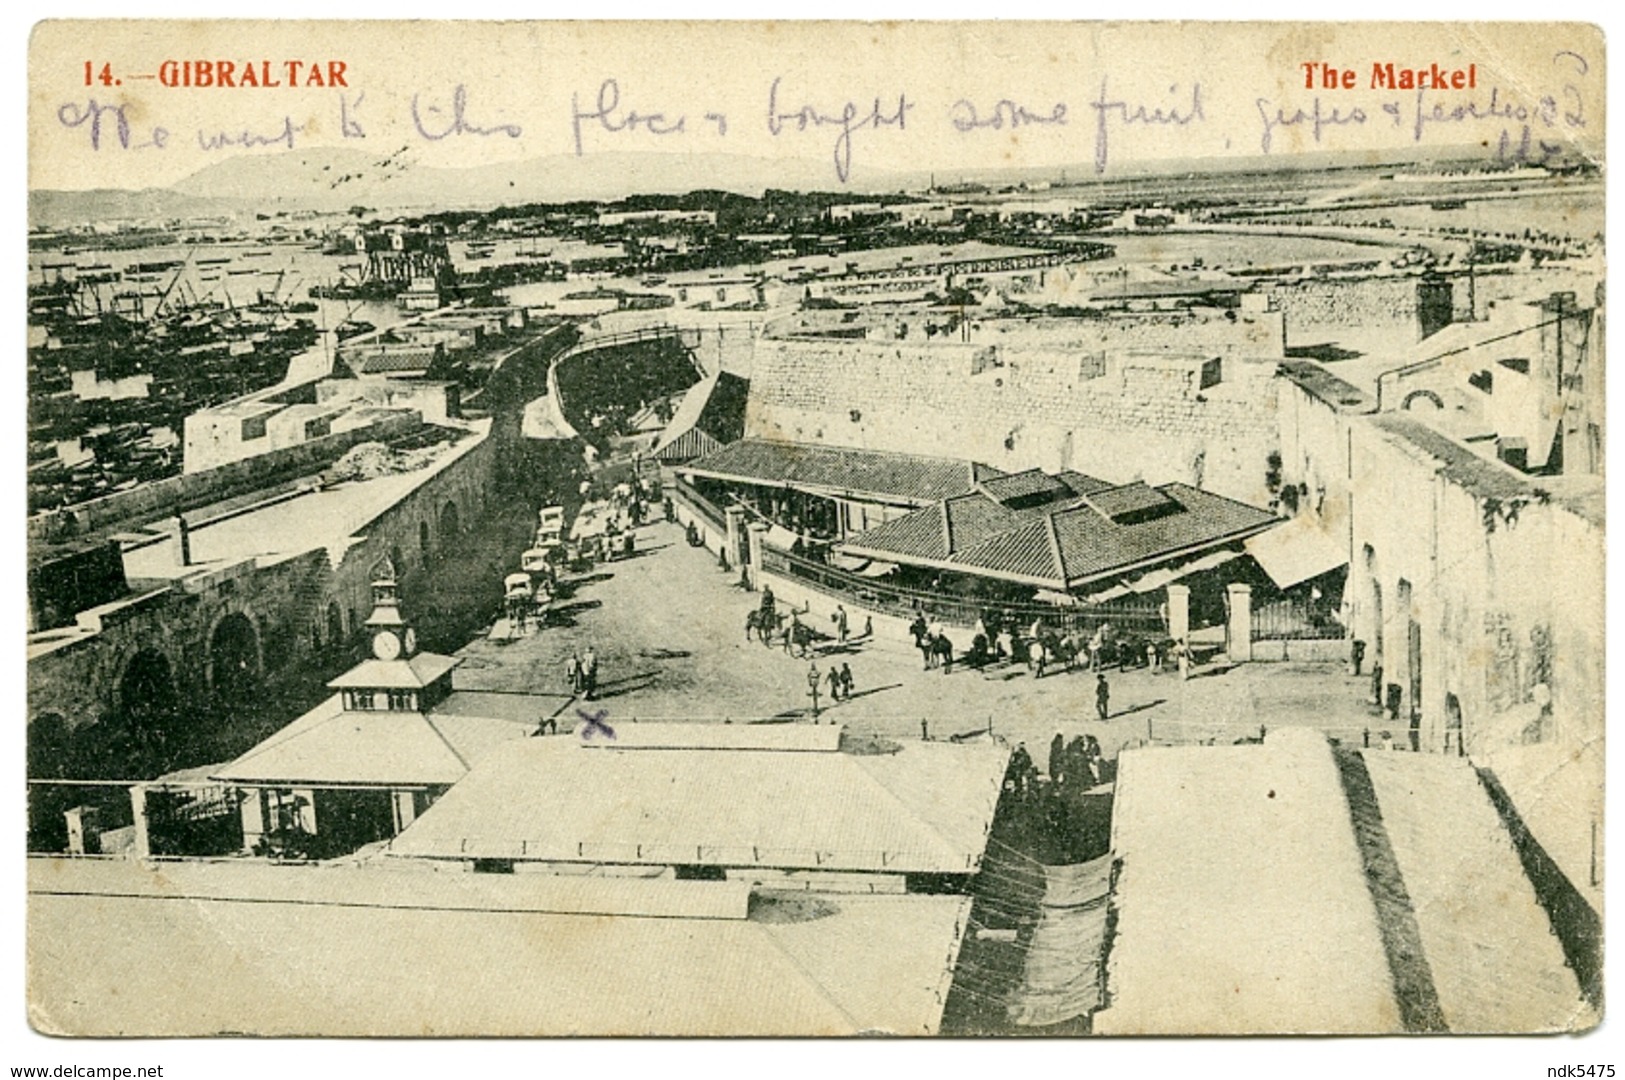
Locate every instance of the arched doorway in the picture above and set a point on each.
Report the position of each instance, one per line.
(1452, 726)
(448, 523)
(146, 693)
(234, 658)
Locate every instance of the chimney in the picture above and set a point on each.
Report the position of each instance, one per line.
(186, 541)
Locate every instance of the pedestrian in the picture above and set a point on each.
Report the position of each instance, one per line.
(833, 677)
(925, 730)
(868, 628)
(1057, 759)
(1182, 655)
(846, 681)
(813, 677)
(572, 673)
(1103, 696)
(1356, 655)
(840, 623)
(1153, 658)
(767, 600)
(589, 672)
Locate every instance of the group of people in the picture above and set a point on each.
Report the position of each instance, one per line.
(1075, 765)
(839, 680)
(581, 673)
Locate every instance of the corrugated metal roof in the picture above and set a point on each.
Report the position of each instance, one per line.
(910, 478)
(555, 800)
(331, 746)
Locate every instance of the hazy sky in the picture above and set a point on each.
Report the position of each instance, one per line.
(1098, 94)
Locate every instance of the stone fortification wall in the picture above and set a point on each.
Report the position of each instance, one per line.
(1119, 415)
(178, 494)
(1314, 307)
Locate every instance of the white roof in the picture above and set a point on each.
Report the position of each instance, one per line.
(925, 808)
(1245, 906)
(1296, 551)
(356, 951)
(330, 746)
(1241, 903)
(327, 518)
(632, 736)
(412, 673)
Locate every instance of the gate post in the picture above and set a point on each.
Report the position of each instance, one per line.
(736, 522)
(143, 836)
(1239, 634)
(755, 533)
(1179, 613)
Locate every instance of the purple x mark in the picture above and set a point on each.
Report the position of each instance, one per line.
(595, 722)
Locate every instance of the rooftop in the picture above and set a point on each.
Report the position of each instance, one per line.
(189, 950)
(841, 471)
(1251, 898)
(677, 794)
(711, 415)
(1085, 531)
(304, 519)
(332, 746)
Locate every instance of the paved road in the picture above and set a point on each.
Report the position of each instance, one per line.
(668, 628)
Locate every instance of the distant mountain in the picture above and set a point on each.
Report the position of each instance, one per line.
(334, 179)
(339, 178)
(57, 209)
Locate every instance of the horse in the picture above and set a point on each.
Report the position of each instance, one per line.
(941, 650)
(763, 624)
(803, 637)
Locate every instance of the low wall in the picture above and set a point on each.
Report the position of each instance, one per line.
(1309, 650)
(178, 494)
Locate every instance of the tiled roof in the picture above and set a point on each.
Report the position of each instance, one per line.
(711, 415)
(687, 446)
(1130, 499)
(397, 360)
(1066, 542)
(1022, 484)
(837, 470)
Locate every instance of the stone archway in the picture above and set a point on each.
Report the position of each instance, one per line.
(1409, 404)
(146, 689)
(234, 658)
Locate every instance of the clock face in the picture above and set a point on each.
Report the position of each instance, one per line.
(411, 640)
(385, 645)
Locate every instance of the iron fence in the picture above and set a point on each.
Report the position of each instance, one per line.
(1296, 619)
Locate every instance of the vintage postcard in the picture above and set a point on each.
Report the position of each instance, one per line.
(814, 529)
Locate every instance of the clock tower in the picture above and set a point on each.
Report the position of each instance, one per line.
(398, 678)
(391, 636)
